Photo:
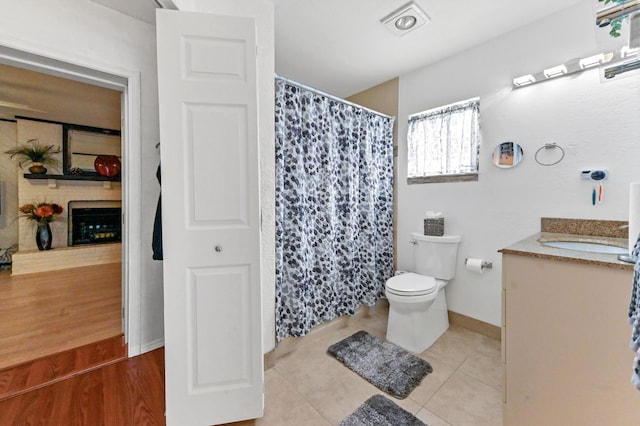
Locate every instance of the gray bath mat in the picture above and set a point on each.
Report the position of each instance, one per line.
(380, 411)
(385, 365)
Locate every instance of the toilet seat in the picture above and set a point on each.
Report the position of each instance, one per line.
(411, 284)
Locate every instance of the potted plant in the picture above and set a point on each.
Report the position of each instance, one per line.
(35, 154)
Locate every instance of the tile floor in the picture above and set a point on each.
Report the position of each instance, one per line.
(309, 387)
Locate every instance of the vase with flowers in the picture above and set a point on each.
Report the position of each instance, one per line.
(42, 214)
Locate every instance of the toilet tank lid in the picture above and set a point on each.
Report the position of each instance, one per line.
(446, 238)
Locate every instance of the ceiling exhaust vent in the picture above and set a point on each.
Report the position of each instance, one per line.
(406, 19)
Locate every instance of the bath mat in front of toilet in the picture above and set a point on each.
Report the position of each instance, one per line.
(383, 364)
(381, 411)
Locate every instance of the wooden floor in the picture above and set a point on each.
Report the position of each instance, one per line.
(125, 393)
(48, 313)
(62, 355)
(57, 367)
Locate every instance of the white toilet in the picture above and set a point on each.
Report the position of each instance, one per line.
(417, 303)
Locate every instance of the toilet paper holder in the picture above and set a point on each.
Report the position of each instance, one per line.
(485, 265)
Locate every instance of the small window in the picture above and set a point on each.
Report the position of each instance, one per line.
(444, 143)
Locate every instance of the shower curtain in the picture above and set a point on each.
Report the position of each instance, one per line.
(334, 207)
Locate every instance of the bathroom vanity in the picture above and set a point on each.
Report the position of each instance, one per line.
(565, 336)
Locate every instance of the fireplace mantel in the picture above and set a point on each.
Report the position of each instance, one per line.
(52, 180)
(73, 177)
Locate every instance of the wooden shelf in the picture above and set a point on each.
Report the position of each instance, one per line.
(73, 177)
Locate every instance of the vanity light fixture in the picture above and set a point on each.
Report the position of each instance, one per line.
(405, 19)
(620, 62)
(524, 80)
(627, 52)
(591, 61)
(555, 71)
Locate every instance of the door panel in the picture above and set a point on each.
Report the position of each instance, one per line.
(204, 59)
(231, 346)
(218, 204)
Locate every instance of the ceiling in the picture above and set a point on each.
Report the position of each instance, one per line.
(338, 46)
(341, 47)
(35, 95)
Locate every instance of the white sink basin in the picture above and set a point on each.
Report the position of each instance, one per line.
(589, 247)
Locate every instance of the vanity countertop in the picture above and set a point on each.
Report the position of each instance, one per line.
(532, 246)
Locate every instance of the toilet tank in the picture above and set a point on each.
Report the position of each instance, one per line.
(435, 256)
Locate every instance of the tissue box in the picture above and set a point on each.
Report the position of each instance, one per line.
(434, 227)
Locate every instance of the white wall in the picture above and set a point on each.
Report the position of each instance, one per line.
(8, 188)
(93, 35)
(596, 123)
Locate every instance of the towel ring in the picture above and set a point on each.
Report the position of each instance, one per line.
(549, 146)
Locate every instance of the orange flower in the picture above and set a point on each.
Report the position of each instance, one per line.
(44, 211)
(41, 212)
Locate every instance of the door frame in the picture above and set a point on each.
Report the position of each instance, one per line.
(65, 65)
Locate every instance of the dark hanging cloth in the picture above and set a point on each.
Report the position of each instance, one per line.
(156, 242)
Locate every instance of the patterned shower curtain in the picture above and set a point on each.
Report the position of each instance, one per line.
(334, 208)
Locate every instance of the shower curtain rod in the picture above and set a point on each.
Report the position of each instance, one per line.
(330, 96)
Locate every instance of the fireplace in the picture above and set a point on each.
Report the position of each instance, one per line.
(95, 222)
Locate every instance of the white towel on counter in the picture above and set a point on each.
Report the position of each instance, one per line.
(634, 315)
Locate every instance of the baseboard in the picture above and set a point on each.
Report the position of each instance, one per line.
(291, 343)
(151, 346)
(481, 327)
(489, 330)
(270, 359)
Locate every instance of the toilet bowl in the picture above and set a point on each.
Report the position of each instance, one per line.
(417, 302)
(418, 317)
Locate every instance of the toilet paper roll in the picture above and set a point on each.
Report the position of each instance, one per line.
(475, 265)
(634, 214)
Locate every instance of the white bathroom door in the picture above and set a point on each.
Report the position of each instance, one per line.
(211, 217)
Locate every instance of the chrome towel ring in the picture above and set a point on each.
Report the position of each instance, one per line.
(546, 147)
